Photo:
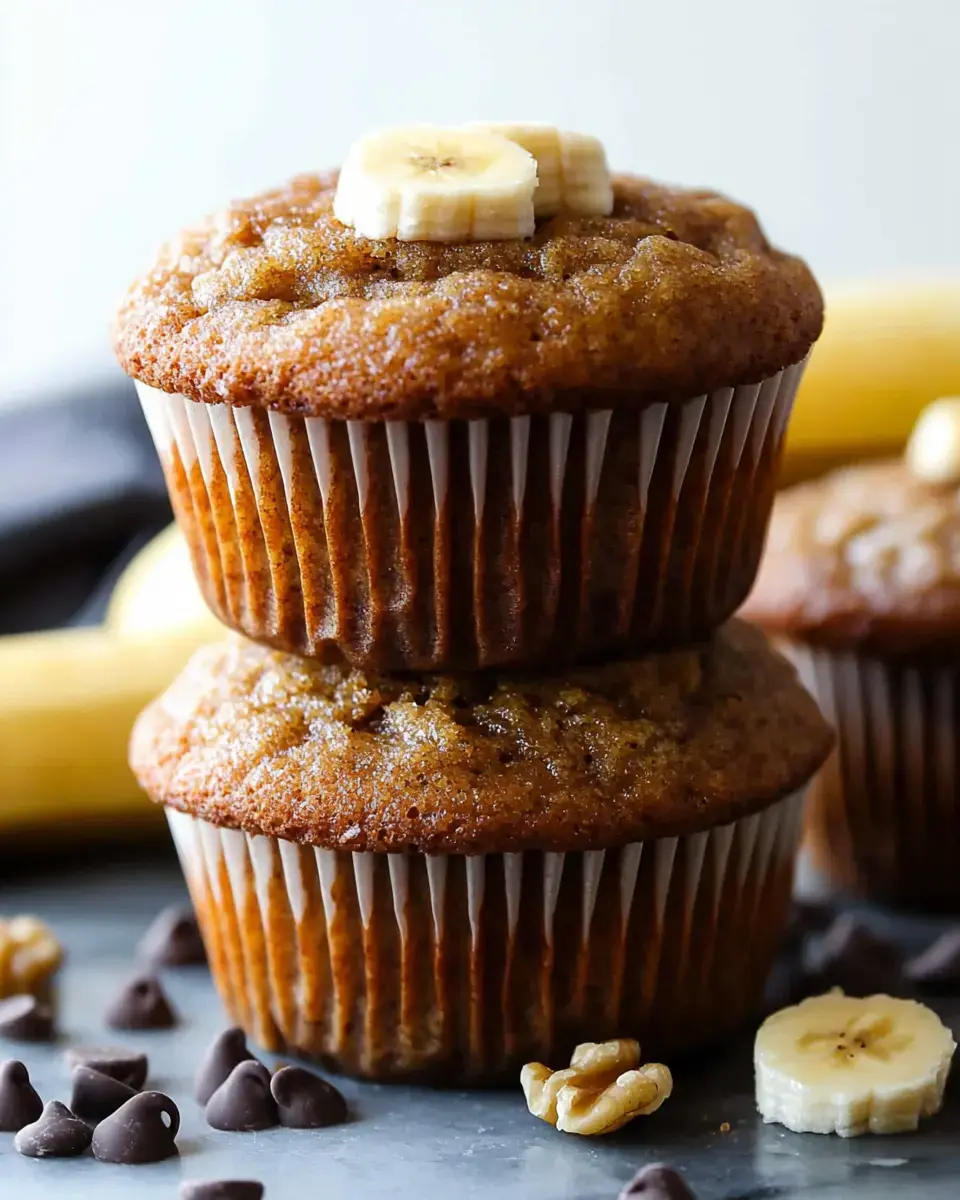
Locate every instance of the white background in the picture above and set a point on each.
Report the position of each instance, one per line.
(121, 120)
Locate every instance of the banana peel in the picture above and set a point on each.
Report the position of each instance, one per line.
(69, 698)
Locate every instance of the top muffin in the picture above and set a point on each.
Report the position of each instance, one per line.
(274, 303)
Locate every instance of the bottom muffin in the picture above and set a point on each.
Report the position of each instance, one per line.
(444, 877)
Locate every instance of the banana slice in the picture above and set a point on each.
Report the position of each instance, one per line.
(437, 185)
(572, 171)
(933, 451)
(841, 1064)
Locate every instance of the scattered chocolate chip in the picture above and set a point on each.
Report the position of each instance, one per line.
(26, 1019)
(95, 1095)
(128, 1066)
(939, 965)
(658, 1182)
(305, 1101)
(137, 1131)
(854, 958)
(243, 1102)
(56, 1134)
(221, 1189)
(19, 1103)
(173, 940)
(142, 1004)
(224, 1053)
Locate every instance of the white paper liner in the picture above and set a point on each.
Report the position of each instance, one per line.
(884, 815)
(259, 494)
(460, 967)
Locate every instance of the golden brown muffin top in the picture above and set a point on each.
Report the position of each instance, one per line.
(275, 303)
(265, 742)
(867, 558)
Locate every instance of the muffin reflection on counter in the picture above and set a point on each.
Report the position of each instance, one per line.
(449, 876)
(861, 580)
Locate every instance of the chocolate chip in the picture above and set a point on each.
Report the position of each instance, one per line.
(658, 1182)
(26, 1019)
(854, 958)
(243, 1102)
(221, 1189)
(137, 1131)
(95, 1095)
(128, 1066)
(305, 1101)
(19, 1103)
(224, 1053)
(939, 965)
(142, 1004)
(173, 940)
(56, 1134)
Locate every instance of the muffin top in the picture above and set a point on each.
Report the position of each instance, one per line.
(866, 559)
(275, 303)
(269, 743)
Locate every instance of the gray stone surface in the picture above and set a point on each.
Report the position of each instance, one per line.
(408, 1142)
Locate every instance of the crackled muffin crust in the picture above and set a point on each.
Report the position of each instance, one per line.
(274, 303)
(253, 739)
(867, 558)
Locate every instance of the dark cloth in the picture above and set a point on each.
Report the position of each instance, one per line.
(81, 490)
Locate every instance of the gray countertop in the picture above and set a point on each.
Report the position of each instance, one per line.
(408, 1142)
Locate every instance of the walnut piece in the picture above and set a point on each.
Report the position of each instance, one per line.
(603, 1088)
(29, 955)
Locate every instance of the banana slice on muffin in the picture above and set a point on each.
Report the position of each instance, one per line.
(572, 171)
(486, 182)
(420, 183)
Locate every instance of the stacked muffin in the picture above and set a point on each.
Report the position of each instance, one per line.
(478, 446)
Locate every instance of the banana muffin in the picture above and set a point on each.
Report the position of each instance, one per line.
(532, 412)
(447, 876)
(861, 581)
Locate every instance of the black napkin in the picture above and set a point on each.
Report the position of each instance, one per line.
(81, 490)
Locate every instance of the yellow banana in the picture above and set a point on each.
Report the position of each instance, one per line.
(887, 350)
(67, 702)
(157, 596)
(68, 698)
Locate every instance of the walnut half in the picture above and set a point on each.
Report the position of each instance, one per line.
(29, 955)
(603, 1088)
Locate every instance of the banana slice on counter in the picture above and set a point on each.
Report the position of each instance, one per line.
(848, 1065)
(572, 171)
(421, 183)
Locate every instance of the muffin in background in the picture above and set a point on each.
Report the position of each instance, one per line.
(423, 455)
(444, 877)
(861, 584)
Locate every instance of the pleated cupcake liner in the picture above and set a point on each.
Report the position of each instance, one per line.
(462, 544)
(883, 818)
(458, 969)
